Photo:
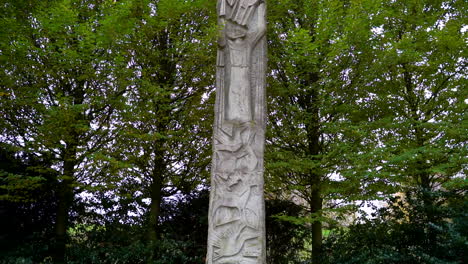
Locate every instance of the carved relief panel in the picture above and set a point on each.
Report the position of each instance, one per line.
(236, 217)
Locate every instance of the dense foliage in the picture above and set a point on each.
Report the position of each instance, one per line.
(407, 231)
(106, 111)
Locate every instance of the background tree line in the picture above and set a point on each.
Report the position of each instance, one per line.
(107, 109)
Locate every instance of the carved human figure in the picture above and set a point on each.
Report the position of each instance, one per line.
(237, 40)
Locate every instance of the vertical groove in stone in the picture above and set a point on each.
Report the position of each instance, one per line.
(236, 232)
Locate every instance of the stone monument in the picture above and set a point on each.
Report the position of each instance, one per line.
(236, 232)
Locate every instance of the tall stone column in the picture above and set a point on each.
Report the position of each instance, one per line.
(236, 232)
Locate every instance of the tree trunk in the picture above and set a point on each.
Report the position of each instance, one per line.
(421, 175)
(311, 103)
(65, 192)
(65, 200)
(315, 209)
(155, 206)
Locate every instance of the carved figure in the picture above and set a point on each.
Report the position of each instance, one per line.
(237, 41)
(236, 217)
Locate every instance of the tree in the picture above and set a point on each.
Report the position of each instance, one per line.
(415, 86)
(360, 104)
(27, 204)
(162, 143)
(57, 92)
(403, 232)
(286, 240)
(315, 136)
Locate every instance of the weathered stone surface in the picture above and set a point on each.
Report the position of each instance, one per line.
(236, 232)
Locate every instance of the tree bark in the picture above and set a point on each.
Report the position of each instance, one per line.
(315, 209)
(155, 206)
(65, 201)
(157, 182)
(311, 104)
